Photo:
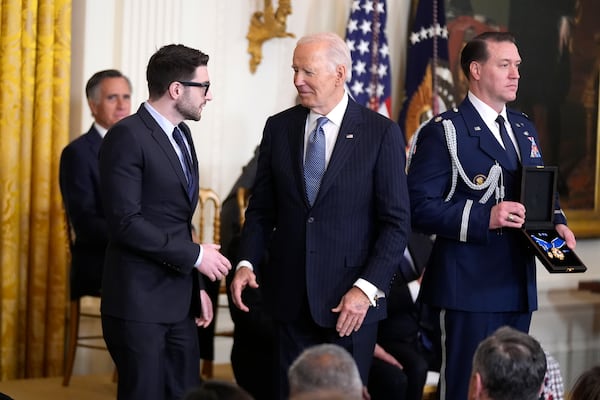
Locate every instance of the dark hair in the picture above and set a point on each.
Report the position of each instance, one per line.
(217, 390)
(476, 49)
(587, 386)
(173, 62)
(93, 84)
(512, 365)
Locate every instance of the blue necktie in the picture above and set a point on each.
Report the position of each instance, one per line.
(188, 166)
(508, 144)
(314, 161)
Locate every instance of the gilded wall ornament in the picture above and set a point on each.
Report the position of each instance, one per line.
(265, 25)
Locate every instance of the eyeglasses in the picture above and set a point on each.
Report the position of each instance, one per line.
(205, 85)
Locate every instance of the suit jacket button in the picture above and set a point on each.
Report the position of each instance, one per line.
(311, 220)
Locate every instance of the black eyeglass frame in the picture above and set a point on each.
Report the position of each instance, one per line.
(204, 85)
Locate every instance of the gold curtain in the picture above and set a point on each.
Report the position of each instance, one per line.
(35, 40)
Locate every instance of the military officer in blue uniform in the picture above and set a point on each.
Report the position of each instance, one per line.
(464, 180)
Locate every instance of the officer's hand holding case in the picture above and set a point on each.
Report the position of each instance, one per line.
(538, 186)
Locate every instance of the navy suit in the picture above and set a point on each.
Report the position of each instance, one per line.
(253, 338)
(406, 333)
(356, 228)
(149, 276)
(80, 189)
(484, 278)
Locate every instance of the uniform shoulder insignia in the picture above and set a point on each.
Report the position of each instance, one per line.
(517, 113)
(451, 114)
(448, 114)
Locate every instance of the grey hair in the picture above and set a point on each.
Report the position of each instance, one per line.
(337, 50)
(92, 87)
(326, 367)
(511, 364)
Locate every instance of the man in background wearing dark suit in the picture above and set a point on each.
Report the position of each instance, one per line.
(152, 289)
(108, 94)
(253, 343)
(330, 204)
(405, 339)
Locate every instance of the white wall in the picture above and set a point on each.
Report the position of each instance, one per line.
(123, 35)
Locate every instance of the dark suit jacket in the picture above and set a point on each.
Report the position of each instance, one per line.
(357, 227)
(230, 211)
(485, 271)
(255, 325)
(406, 318)
(149, 272)
(80, 188)
(252, 351)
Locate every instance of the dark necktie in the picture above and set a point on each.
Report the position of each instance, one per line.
(511, 153)
(314, 162)
(188, 166)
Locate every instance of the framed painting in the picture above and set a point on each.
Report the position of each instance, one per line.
(559, 89)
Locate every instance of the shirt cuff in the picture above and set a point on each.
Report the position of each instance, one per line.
(244, 263)
(199, 259)
(372, 292)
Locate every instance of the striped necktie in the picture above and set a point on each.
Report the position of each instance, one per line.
(188, 166)
(314, 162)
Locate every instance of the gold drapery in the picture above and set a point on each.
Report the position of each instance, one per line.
(35, 40)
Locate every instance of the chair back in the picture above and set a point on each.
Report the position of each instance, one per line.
(209, 209)
(70, 232)
(243, 196)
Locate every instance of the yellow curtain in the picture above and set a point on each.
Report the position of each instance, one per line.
(35, 40)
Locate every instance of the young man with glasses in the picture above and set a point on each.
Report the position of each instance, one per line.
(153, 295)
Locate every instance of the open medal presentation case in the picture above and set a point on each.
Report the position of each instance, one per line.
(538, 185)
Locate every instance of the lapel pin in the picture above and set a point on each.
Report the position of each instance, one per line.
(349, 135)
(477, 128)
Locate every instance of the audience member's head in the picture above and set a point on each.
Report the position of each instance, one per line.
(508, 365)
(327, 369)
(108, 94)
(587, 386)
(217, 390)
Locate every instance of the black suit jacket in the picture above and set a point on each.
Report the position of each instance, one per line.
(357, 227)
(256, 325)
(230, 211)
(406, 319)
(149, 272)
(80, 189)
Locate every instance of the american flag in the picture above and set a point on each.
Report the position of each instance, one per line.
(370, 84)
(428, 83)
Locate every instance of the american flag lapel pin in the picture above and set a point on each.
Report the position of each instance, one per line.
(349, 135)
